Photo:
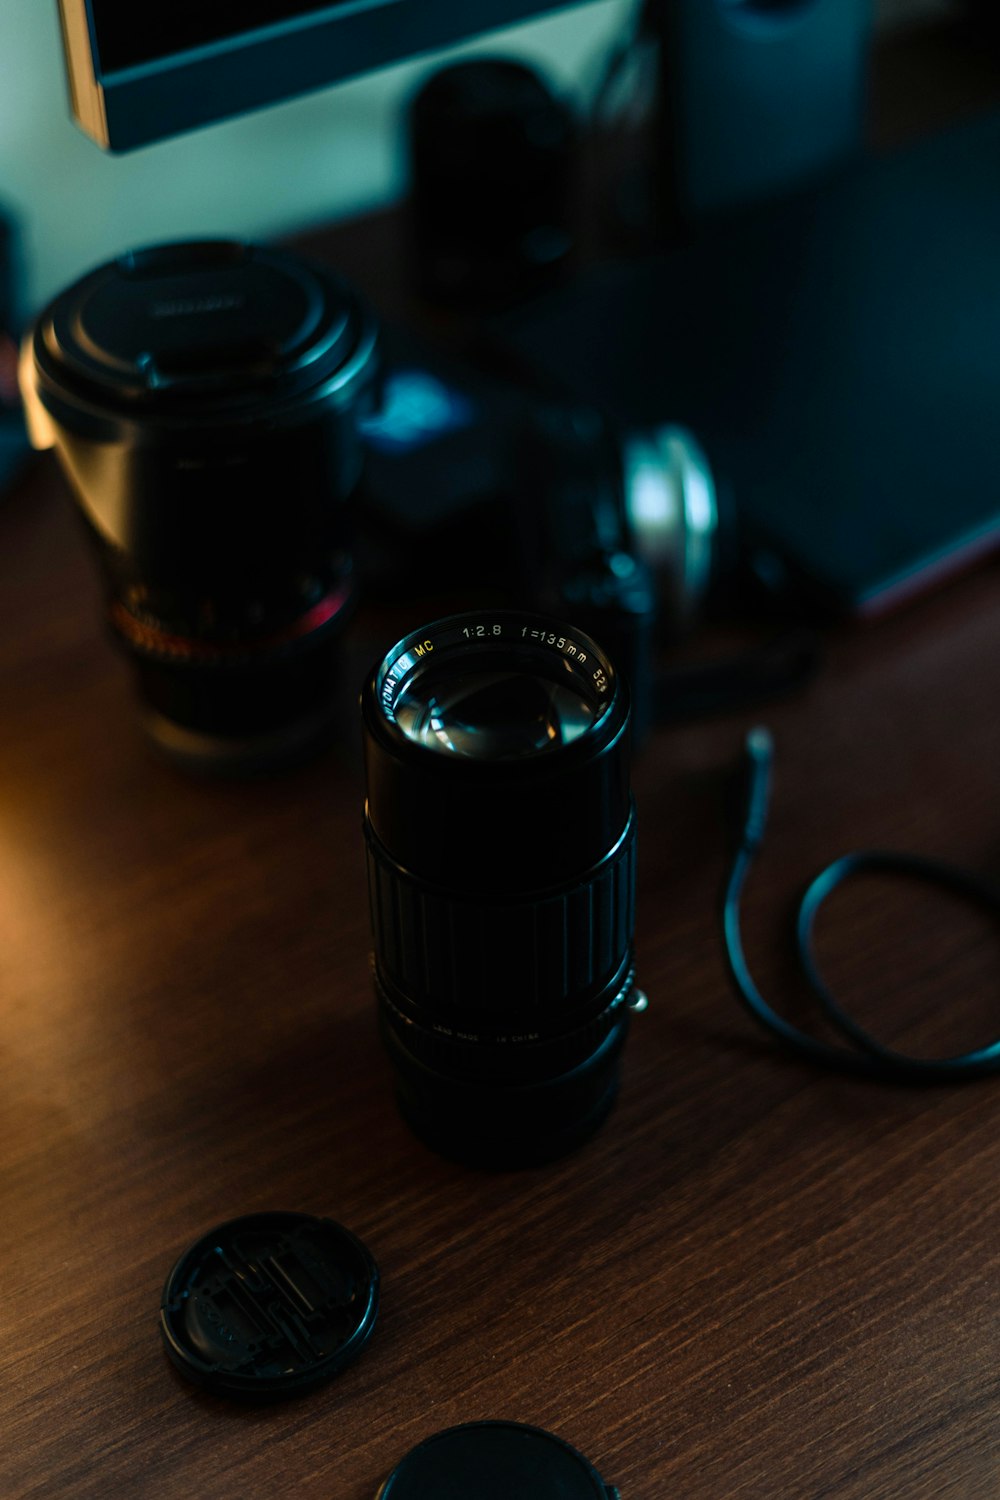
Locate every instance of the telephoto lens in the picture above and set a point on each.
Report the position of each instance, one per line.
(500, 832)
(204, 401)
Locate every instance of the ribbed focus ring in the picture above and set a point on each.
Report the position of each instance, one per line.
(483, 964)
(529, 1062)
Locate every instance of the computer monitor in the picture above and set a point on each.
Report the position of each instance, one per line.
(140, 70)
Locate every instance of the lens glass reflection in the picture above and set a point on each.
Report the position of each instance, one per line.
(499, 714)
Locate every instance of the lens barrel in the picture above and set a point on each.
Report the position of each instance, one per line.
(500, 835)
(204, 400)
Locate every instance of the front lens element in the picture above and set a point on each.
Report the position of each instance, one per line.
(501, 861)
(492, 715)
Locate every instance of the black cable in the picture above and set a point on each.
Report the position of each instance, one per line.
(866, 1056)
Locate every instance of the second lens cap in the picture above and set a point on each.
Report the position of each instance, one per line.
(495, 1461)
(269, 1305)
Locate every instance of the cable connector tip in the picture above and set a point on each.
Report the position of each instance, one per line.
(758, 753)
(759, 743)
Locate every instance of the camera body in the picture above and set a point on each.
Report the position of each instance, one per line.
(534, 502)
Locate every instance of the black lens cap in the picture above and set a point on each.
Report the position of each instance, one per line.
(495, 1461)
(269, 1305)
(199, 330)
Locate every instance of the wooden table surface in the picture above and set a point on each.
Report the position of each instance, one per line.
(757, 1281)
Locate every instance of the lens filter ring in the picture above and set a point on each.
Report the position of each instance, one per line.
(497, 687)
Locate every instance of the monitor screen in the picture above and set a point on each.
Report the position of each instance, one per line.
(130, 34)
(139, 72)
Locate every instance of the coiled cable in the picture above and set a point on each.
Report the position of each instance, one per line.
(866, 1056)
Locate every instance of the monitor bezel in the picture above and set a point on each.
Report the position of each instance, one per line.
(135, 106)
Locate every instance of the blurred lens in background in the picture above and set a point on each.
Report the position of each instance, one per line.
(493, 163)
(204, 401)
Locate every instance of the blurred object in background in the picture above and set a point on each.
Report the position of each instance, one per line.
(279, 171)
(477, 489)
(493, 155)
(711, 104)
(14, 447)
(983, 15)
(834, 352)
(203, 400)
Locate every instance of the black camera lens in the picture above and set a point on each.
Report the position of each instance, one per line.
(500, 834)
(492, 164)
(204, 400)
